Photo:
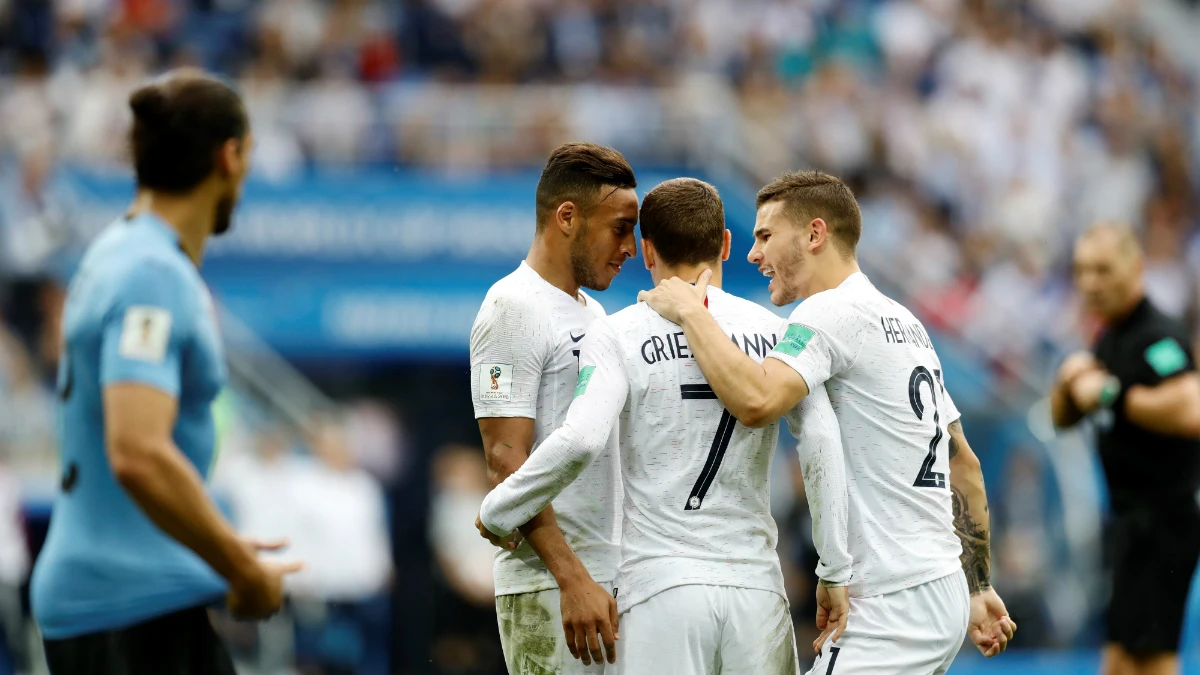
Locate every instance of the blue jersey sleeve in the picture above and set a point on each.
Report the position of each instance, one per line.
(146, 328)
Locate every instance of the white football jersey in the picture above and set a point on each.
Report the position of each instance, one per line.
(524, 363)
(885, 382)
(696, 482)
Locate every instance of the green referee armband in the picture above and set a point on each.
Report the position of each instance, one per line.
(1111, 391)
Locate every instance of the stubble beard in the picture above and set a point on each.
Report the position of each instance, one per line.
(223, 215)
(581, 262)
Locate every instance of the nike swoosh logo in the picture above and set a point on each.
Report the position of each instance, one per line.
(576, 339)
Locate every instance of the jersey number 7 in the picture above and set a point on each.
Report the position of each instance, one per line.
(927, 478)
(716, 452)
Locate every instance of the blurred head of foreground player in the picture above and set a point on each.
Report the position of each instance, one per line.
(807, 228)
(191, 147)
(1108, 271)
(586, 213)
(683, 231)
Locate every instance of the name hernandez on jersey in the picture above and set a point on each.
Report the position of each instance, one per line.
(885, 382)
(524, 363)
(696, 482)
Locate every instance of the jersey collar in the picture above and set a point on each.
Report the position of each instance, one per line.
(160, 228)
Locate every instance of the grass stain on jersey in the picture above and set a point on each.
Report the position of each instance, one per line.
(530, 634)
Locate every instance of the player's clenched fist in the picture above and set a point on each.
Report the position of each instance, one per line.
(257, 593)
(672, 297)
(589, 616)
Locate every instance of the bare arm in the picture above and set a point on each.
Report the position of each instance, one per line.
(756, 394)
(1171, 407)
(972, 521)
(145, 461)
(507, 442)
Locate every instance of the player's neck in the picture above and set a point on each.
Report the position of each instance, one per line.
(690, 273)
(191, 218)
(832, 274)
(552, 266)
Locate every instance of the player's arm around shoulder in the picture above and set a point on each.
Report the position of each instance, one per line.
(757, 394)
(990, 627)
(145, 332)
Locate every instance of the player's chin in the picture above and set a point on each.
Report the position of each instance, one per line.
(779, 297)
(605, 276)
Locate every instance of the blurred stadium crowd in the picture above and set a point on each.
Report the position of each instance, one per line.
(980, 136)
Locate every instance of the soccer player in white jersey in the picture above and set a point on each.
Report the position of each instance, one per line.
(553, 598)
(700, 586)
(913, 481)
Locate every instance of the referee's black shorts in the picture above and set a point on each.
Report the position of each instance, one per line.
(183, 643)
(1153, 554)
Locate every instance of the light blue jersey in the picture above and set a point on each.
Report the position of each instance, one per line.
(137, 311)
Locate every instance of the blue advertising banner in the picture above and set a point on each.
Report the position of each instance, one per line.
(379, 263)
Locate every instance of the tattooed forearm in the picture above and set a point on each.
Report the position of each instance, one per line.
(976, 545)
(955, 429)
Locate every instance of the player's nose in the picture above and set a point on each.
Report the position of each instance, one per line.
(629, 246)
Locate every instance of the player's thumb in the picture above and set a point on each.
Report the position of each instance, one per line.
(643, 296)
(702, 282)
(615, 618)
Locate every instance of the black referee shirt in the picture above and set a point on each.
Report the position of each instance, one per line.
(1145, 468)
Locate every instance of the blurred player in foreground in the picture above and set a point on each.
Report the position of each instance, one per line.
(911, 598)
(553, 600)
(1140, 387)
(701, 589)
(136, 549)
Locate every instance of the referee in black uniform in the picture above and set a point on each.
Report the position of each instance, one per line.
(1140, 388)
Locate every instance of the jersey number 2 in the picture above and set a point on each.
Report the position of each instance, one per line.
(927, 478)
(716, 452)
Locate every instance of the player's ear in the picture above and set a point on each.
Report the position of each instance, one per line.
(649, 254)
(229, 157)
(564, 216)
(725, 245)
(818, 233)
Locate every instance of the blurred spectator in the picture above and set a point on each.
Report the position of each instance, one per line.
(333, 515)
(377, 440)
(465, 641)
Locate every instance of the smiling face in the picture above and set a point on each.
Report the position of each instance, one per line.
(780, 251)
(604, 240)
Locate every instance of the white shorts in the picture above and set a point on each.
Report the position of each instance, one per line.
(531, 634)
(916, 631)
(704, 630)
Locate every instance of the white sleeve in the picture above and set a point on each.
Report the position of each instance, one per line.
(509, 346)
(817, 344)
(600, 395)
(824, 468)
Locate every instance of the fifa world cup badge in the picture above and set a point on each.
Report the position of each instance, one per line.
(495, 382)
